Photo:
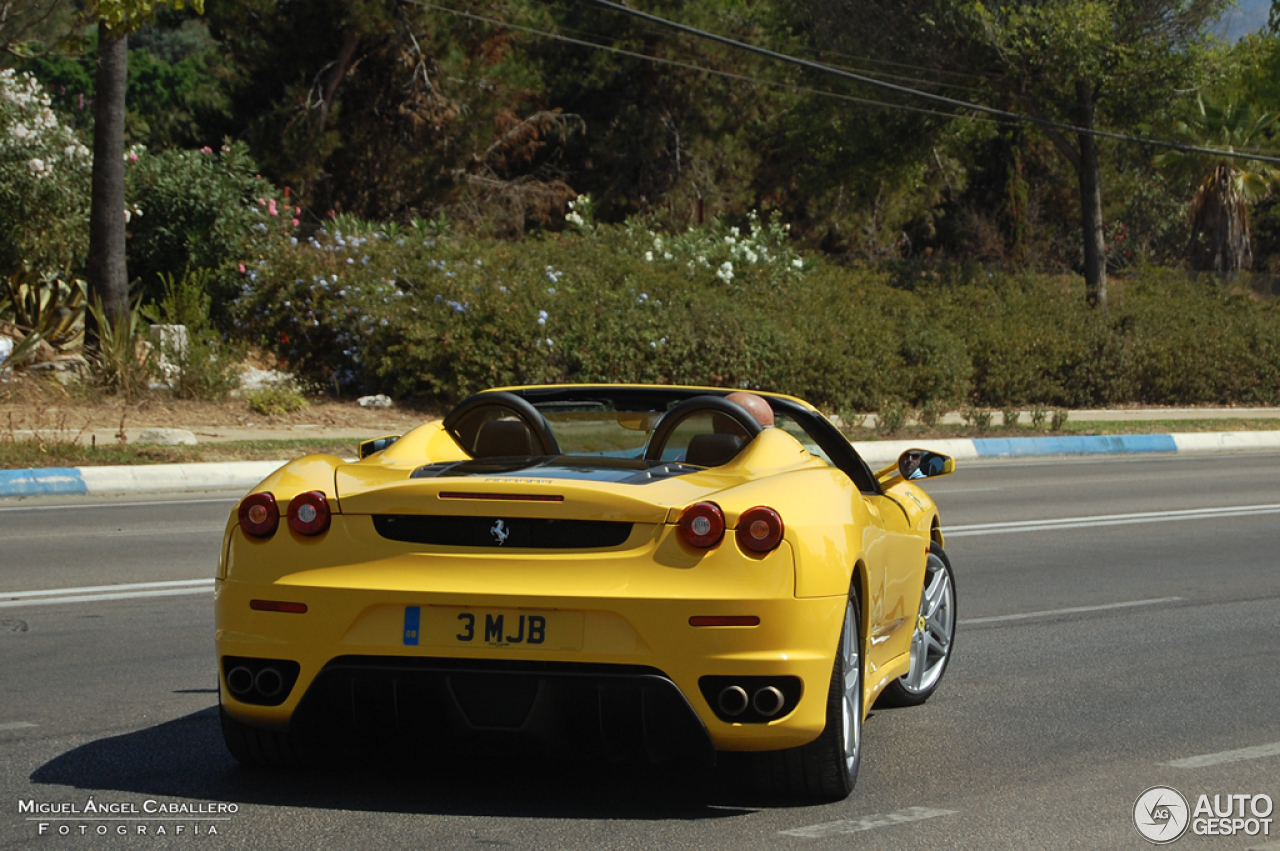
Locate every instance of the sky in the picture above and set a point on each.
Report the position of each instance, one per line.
(1248, 16)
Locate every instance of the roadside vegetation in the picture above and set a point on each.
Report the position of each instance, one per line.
(589, 217)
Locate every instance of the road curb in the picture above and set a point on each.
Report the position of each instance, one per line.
(879, 452)
(145, 478)
(243, 475)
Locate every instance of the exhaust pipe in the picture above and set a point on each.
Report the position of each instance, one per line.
(240, 680)
(733, 700)
(269, 682)
(768, 701)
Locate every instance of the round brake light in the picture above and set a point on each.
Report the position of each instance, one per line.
(702, 525)
(759, 529)
(259, 514)
(309, 513)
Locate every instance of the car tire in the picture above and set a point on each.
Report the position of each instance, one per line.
(933, 641)
(827, 768)
(259, 747)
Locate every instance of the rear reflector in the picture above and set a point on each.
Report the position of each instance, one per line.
(724, 620)
(278, 606)
(504, 497)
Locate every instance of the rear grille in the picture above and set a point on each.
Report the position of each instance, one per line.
(506, 532)
(403, 705)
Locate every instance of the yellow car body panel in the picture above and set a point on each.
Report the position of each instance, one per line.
(626, 604)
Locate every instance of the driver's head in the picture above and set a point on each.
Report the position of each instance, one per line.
(754, 405)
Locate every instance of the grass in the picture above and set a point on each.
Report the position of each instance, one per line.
(1071, 429)
(47, 452)
(59, 449)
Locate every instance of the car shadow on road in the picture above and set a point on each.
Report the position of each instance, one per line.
(186, 759)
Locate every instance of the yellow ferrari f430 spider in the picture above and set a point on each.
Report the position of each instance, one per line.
(635, 571)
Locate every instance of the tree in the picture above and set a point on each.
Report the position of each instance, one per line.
(107, 272)
(1220, 239)
(27, 26)
(1074, 64)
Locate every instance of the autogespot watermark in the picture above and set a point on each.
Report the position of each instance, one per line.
(149, 818)
(1162, 815)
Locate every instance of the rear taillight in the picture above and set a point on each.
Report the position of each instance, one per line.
(759, 529)
(259, 515)
(702, 525)
(309, 513)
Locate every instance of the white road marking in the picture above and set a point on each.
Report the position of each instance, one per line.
(113, 533)
(16, 725)
(92, 593)
(836, 828)
(1205, 760)
(1074, 610)
(85, 505)
(1107, 520)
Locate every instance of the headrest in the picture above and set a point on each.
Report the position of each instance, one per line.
(712, 450)
(504, 438)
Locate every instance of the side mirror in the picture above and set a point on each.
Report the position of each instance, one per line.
(368, 447)
(923, 464)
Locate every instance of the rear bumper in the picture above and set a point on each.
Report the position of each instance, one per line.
(634, 678)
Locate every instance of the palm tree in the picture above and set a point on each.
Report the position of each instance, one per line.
(1220, 209)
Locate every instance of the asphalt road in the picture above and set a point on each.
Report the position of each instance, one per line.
(1120, 629)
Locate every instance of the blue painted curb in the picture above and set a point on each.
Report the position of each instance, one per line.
(991, 447)
(46, 481)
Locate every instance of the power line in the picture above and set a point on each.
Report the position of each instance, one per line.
(893, 87)
(691, 67)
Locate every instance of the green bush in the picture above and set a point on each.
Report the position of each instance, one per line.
(416, 311)
(203, 366)
(200, 210)
(44, 185)
(275, 400)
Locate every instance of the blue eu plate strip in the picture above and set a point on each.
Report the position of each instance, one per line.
(412, 618)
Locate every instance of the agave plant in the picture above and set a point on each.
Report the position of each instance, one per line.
(51, 307)
(1220, 239)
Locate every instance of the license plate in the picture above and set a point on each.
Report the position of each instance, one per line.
(447, 626)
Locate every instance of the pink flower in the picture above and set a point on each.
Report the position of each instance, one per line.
(133, 158)
(241, 268)
(271, 208)
(262, 202)
(296, 223)
(206, 150)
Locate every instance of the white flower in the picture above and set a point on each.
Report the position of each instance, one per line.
(725, 272)
(798, 263)
(36, 165)
(648, 255)
(574, 219)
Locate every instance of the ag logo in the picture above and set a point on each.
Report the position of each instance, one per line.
(500, 532)
(1161, 815)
